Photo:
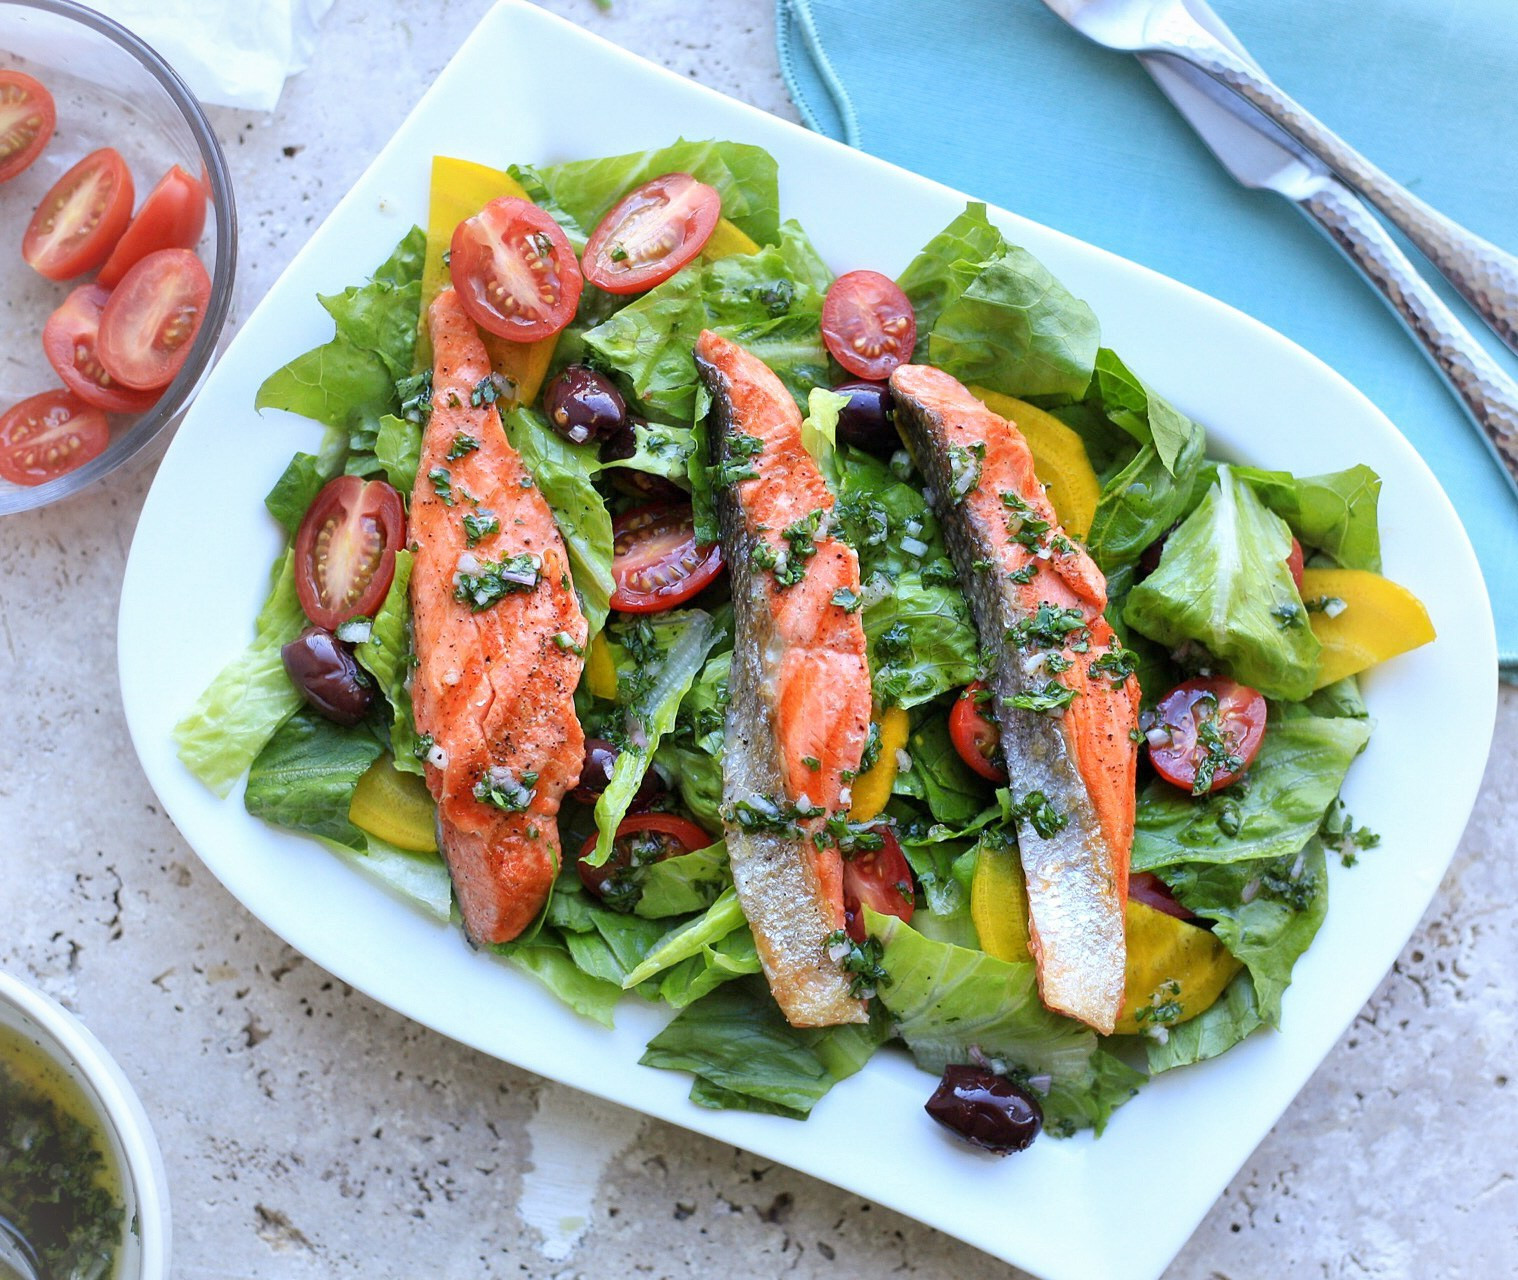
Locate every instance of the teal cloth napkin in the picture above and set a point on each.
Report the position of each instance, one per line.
(1001, 99)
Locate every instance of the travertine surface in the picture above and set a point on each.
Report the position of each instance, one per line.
(313, 1135)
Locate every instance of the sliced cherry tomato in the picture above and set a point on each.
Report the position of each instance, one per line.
(651, 233)
(150, 320)
(47, 435)
(1148, 888)
(1206, 733)
(345, 550)
(868, 324)
(27, 116)
(172, 217)
(880, 879)
(80, 219)
(656, 561)
(975, 735)
(641, 840)
(514, 270)
(1294, 564)
(69, 339)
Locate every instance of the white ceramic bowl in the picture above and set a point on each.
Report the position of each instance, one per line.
(60, 1036)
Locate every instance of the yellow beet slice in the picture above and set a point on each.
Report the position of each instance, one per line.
(1379, 620)
(396, 807)
(872, 788)
(727, 241)
(460, 189)
(1059, 459)
(1175, 970)
(601, 669)
(999, 905)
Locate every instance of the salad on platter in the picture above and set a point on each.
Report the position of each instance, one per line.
(840, 661)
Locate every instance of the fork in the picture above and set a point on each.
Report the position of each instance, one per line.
(1484, 275)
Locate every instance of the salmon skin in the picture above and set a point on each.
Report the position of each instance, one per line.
(499, 635)
(799, 693)
(1063, 692)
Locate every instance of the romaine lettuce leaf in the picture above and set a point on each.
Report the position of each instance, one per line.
(952, 791)
(746, 177)
(251, 696)
(922, 642)
(946, 266)
(563, 473)
(661, 451)
(884, 517)
(688, 939)
(698, 778)
(1234, 1016)
(1334, 513)
(943, 999)
(1271, 812)
(419, 878)
(305, 776)
(398, 449)
(1222, 581)
(690, 882)
(548, 959)
(296, 489)
(386, 655)
(1130, 404)
(734, 955)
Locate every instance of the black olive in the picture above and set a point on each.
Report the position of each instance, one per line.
(1149, 558)
(583, 405)
(986, 1109)
(868, 421)
(328, 676)
(595, 773)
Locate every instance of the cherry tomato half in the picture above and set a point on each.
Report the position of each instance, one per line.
(80, 218)
(172, 217)
(656, 561)
(880, 879)
(514, 271)
(1148, 888)
(345, 549)
(975, 735)
(45, 436)
(1206, 733)
(150, 320)
(868, 324)
(69, 339)
(1294, 564)
(641, 840)
(651, 233)
(27, 116)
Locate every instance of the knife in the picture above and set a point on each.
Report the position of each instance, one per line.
(1261, 155)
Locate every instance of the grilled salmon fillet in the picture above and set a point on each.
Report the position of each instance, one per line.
(498, 636)
(799, 694)
(1037, 599)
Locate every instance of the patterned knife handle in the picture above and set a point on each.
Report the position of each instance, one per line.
(1490, 397)
(1484, 275)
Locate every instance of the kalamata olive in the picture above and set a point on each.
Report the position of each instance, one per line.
(583, 405)
(868, 421)
(986, 1109)
(328, 676)
(595, 774)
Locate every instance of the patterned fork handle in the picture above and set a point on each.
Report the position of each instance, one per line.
(1490, 397)
(1484, 275)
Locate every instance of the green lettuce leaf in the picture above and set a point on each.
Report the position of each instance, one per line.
(419, 878)
(690, 882)
(697, 776)
(1271, 812)
(877, 510)
(1223, 582)
(304, 777)
(946, 266)
(1234, 1016)
(661, 451)
(296, 489)
(386, 655)
(734, 955)
(1150, 419)
(746, 178)
(564, 472)
(1334, 513)
(953, 792)
(548, 959)
(922, 642)
(943, 999)
(398, 449)
(686, 940)
(251, 696)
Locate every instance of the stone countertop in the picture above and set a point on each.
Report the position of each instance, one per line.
(311, 1133)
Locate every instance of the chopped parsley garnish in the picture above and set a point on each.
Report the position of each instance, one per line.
(1164, 1005)
(1340, 834)
(763, 556)
(479, 524)
(1024, 524)
(1117, 664)
(462, 444)
(870, 756)
(850, 838)
(563, 640)
(1219, 750)
(894, 642)
(503, 789)
(812, 763)
(940, 572)
(1288, 616)
(494, 581)
(487, 390)
(1052, 697)
(442, 485)
(764, 813)
(1022, 577)
(1039, 813)
(964, 468)
(862, 961)
(848, 599)
(1050, 628)
(415, 395)
(1285, 882)
(802, 537)
(1333, 606)
(775, 297)
(618, 253)
(735, 466)
(423, 747)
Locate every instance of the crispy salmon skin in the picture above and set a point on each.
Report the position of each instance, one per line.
(799, 694)
(498, 636)
(1063, 690)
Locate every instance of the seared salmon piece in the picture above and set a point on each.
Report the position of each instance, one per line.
(499, 635)
(1037, 599)
(799, 693)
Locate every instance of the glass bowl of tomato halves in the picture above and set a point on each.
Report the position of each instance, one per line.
(118, 239)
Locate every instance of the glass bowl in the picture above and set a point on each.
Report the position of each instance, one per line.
(64, 1041)
(111, 89)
